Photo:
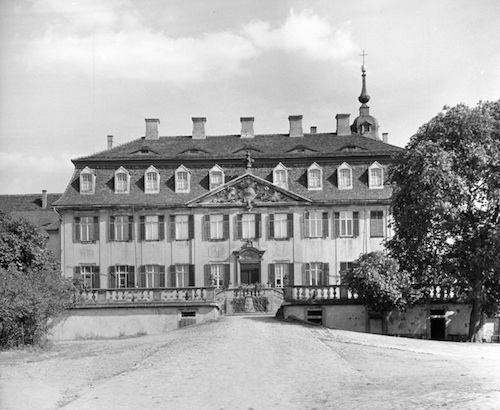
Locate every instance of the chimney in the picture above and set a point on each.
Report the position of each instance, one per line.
(296, 126)
(199, 128)
(314, 130)
(343, 127)
(152, 128)
(110, 141)
(247, 127)
(44, 199)
(385, 137)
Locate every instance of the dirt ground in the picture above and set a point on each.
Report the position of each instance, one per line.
(253, 362)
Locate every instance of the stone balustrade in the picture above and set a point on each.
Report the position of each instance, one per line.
(319, 293)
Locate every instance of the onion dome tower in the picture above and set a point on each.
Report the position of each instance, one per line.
(365, 124)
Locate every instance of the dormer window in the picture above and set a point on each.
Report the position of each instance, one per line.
(344, 176)
(182, 180)
(216, 177)
(87, 181)
(314, 177)
(280, 176)
(122, 181)
(376, 176)
(152, 181)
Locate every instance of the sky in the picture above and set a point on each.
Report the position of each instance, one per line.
(74, 71)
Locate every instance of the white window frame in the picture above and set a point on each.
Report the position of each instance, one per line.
(311, 185)
(280, 273)
(182, 185)
(86, 228)
(181, 227)
(344, 168)
(315, 222)
(216, 226)
(248, 226)
(315, 272)
(87, 181)
(280, 176)
(280, 226)
(123, 186)
(151, 181)
(121, 273)
(216, 170)
(150, 272)
(378, 220)
(151, 228)
(121, 227)
(182, 276)
(217, 274)
(346, 220)
(87, 273)
(375, 182)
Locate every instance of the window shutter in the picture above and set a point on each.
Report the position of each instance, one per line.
(76, 229)
(162, 276)
(306, 225)
(258, 226)
(326, 274)
(239, 226)
(206, 228)
(225, 227)
(190, 227)
(325, 224)
(355, 224)
(96, 229)
(271, 226)
(142, 222)
(227, 275)
(171, 277)
(306, 275)
(130, 228)
(131, 277)
(142, 276)
(172, 227)
(191, 274)
(77, 273)
(291, 274)
(161, 227)
(111, 228)
(112, 278)
(207, 273)
(271, 274)
(289, 220)
(336, 224)
(96, 278)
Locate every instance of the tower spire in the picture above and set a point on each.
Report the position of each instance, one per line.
(364, 97)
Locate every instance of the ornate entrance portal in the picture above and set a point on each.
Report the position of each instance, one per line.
(249, 265)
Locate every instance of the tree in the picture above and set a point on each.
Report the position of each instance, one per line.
(379, 283)
(32, 288)
(446, 206)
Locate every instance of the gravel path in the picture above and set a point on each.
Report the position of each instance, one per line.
(253, 362)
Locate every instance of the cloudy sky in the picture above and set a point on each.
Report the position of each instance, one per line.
(74, 71)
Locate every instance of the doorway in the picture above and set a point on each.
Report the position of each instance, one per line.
(250, 273)
(438, 324)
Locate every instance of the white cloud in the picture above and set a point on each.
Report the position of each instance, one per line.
(107, 41)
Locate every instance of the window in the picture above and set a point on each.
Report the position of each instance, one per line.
(216, 177)
(316, 224)
(217, 275)
(152, 181)
(314, 177)
(216, 227)
(152, 276)
(87, 181)
(280, 274)
(181, 276)
(88, 276)
(182, 179)
(344, 266)
(249, 226)
(280, 177)
(121, 228)
(181, 227)
(152, 228)
(280, 226)
(376, 224)
(346, 224)
(122, 181)
(316, 274)
(121, 276)
(86, 228)
(344, 173)
(375, 176)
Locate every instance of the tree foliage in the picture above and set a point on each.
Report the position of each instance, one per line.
(32, 288)
(446, 206)
(377, 280)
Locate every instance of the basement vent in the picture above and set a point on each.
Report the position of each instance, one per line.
(188, 318)
(315, 316)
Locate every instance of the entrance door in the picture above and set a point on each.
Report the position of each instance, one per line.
(250, 273)
(438, 325)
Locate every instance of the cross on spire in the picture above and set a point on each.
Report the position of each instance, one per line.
(363, 54)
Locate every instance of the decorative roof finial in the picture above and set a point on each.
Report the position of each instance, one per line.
(249, 161)
(364, 97)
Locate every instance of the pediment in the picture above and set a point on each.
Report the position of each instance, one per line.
(248, 190)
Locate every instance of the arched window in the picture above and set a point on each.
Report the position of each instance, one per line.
(315, 177)
(344, 176)
(152, 181)
(122, 181)
(87, 181)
